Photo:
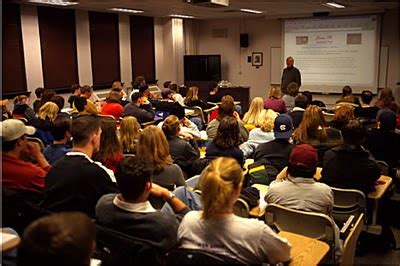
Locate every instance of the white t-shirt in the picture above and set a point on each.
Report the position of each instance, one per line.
(247, 240)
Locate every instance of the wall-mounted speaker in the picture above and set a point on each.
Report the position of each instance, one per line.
(244, 40)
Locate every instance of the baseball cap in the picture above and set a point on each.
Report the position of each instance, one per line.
(304, 155)
(12, 129)
(387, 119)
(283, 126)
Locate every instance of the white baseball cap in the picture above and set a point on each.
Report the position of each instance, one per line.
(12, 129)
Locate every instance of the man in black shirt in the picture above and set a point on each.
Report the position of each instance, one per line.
(135, 109)
(290, 74)
(76, 182)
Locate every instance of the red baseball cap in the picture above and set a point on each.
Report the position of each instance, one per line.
(304, 155)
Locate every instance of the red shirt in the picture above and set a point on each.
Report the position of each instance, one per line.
(113, 161)
(21, 175)
(114, 109)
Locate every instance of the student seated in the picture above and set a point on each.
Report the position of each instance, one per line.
(348, 97)
(192, 99)
(289, 98)
(274, 101)
(36, 103)
(16, 173)
(134, 109)
(218, 231)
(76, 92)
(22, 109)
(113, 106)
(342, 116)
(86, 92)
(213, 95)
(43, 124)
(252, 119)
(61, 132)
(300, 104)
(129, 131)
(386, 100)
(366, 110)
(168, 104)
(58, 239)
(130, 212)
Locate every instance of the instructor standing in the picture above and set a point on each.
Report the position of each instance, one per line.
(290, 74)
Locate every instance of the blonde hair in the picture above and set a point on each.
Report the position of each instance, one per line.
(268, 120)
(154, 148)
(20, 98)
(48, 110)
(128, 132)
(218, 183)
(274, 93)
(116, 85)
(313, 120)
(192, 94)
(253, 116)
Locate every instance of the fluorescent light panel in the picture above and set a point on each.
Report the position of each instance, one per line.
(333, 5)
(54, 2)
(180, 16)
(127, 10)
(251, 11)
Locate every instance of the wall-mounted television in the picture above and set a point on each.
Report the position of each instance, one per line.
(202, 68)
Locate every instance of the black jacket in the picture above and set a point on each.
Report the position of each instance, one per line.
(141, 115)
(276, 151)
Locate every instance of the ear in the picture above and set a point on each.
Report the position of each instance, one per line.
(148, 186)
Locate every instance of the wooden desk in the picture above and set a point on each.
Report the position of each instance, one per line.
(305, 251)
(8, 241)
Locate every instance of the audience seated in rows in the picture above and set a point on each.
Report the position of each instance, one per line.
(130, 212)
(342, 116)
(36, 104)
(47, 95)
(300, 104)
(129, 131)
(313, 130)
(113, 106)
(110, 150)
(183, 148)
(366, 110)
(263, 133)
(386, 100)
(192, 99)
(348, 97)
(63, 239)
(226, 142)
(134, 109)
(86, 92)
(274, 101)
(293, 91)
(168, 106)
(187, 127)
(253, 118)
(22, 109)
(153, 148)
(76, 92)
(218, 231)
(16, 173)
(226, 109)
(61, 132)
(76, 182)
(350, 165)
(276, 152)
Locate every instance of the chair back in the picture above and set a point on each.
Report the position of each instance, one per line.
(350, 243)
(183, 256)
(315, 225)
(241, 208)
(197, 111)
(116, 248)
(347, 202)
(383, 166)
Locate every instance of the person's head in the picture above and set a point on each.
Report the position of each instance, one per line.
(303, 161)
(139, 80)
(347, 91)
(366, 96)
(154, 148)
(59, 100)
(313, 119)
(86, 91)
(174, 87)
(61, 128)
(253, 115)
(386, 95)
(117, 85)
(228, 134)
(274, 93)
(353, 133)
(227, 107)
(13, 135)
(166, 94)
(135, 97)
(309, 96)
(76, 89)
(301, 101)
(283, 126)
(66, 238)
(80, 104)
(386, 120)
(114, 97)
(343, 114)
(21, 99)
(192, 94)
(293, 89)
(38, 92)
(268, 120)
(289, 62)
(46, 96)
(48, 111)
(133, 175)
(86, 132)
(129, 132)
(213, 87)
(167, 84)
(109, 142)
(171, 126)
(220, 182)
(144, 90)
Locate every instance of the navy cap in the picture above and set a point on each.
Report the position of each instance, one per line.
(283, 126)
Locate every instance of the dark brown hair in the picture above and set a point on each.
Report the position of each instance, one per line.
(109, 142)
(228, 134)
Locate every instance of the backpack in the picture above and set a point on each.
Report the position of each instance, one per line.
(261, 172)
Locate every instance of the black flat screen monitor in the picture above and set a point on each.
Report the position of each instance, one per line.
(202, 68)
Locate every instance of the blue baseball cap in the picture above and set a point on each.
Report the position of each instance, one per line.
(283, 126)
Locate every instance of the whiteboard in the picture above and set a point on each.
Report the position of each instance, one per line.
(276, 65)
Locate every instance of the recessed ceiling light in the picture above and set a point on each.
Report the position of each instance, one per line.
(55, 2)
(127, 10)
(251, 11)
(333, 5)
(180, 16)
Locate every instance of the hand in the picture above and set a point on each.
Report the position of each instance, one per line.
(236, 115)
(159, 191)
(186, 122)
(33, 149)
(185, 136)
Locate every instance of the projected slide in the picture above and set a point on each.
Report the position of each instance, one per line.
(334, 51)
